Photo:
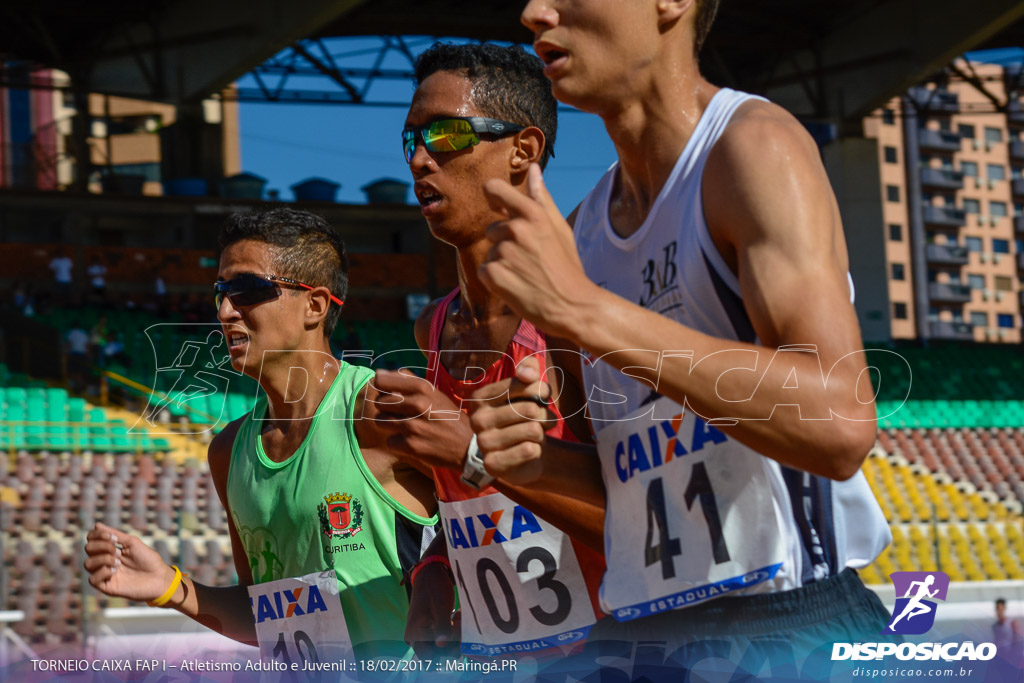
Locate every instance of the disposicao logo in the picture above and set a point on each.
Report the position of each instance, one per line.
(914, 612)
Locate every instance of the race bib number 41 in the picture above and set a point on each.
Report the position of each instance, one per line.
(300, 619)
(520, 584)
(691, 515)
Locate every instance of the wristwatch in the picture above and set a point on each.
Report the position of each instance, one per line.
(473, 472)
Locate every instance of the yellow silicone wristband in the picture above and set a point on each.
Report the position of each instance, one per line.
(169, 593)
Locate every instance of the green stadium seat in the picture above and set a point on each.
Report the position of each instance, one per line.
(122, 444)
(101, 443)
(76, 410)
(80, 437)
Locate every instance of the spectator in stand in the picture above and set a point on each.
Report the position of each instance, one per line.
(158, 303)
(77, 350)
(98, 279)
(19, 295)
(62, 266)
(1007, 634)
(98, 337)
(113, 352)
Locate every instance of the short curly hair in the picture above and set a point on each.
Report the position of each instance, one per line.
(512, 83)
(308, 249)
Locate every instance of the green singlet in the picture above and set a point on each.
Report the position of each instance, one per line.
(323, 509)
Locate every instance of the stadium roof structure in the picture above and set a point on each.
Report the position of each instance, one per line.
(821, 59)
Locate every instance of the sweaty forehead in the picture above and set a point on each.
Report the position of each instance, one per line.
(247, 256)
(442, 93)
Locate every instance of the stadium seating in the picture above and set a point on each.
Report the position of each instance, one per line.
(39, 418)
(949, 386)
(171, 504)
(939, 523)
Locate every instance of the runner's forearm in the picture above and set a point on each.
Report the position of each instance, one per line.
(225, 610)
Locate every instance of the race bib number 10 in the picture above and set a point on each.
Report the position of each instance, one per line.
(519, 581)
(300, 619)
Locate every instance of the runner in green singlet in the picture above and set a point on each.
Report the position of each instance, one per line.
(307, 484)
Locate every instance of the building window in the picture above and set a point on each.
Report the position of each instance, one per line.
(997, 209)
(895, 232)
(899, 310)
(1001, 246)
(993, 134)
(897, 272)
(892, 193)
(979, 319)
(969, 169)
(973, 244)
(150, 171)
(1018, 209)
(965, 130)
(972, 206)
(1005, 320)
(1004, 283)
(888, 117)
(996, 172)
(976, 281)
(890, 155)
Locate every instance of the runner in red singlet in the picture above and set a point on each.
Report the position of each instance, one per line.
(524, 585)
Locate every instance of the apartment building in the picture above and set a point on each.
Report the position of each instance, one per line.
(127, 138)
(952, 188)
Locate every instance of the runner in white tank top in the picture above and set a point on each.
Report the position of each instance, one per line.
(714, 244)
(763, 526)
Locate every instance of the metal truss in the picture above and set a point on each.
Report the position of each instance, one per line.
(338, 72)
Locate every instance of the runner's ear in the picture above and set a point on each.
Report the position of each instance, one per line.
(528, 146)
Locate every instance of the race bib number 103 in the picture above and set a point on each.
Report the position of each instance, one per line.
(519, 580)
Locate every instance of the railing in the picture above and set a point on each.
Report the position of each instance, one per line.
(939, 139)
(952, 254)
(948, 291)
(941, 329)
(944, 215)
(942, 178)
(75, 437)
(148, 392)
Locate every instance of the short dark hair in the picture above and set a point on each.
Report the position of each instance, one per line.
(706, 11)
(308, 249)
(512, 83)
(1001, 601)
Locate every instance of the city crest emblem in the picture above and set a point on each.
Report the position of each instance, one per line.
(341, 515)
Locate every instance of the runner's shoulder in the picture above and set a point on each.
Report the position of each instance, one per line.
(219, 452)
(761, 128)
(421, 330)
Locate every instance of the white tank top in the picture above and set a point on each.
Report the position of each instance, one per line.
(692, 513)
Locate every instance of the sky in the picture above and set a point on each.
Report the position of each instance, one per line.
(357, 144)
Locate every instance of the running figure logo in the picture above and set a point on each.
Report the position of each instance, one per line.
(192, 367)
(914, 612)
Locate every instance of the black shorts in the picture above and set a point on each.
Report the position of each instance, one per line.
(787, 635)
